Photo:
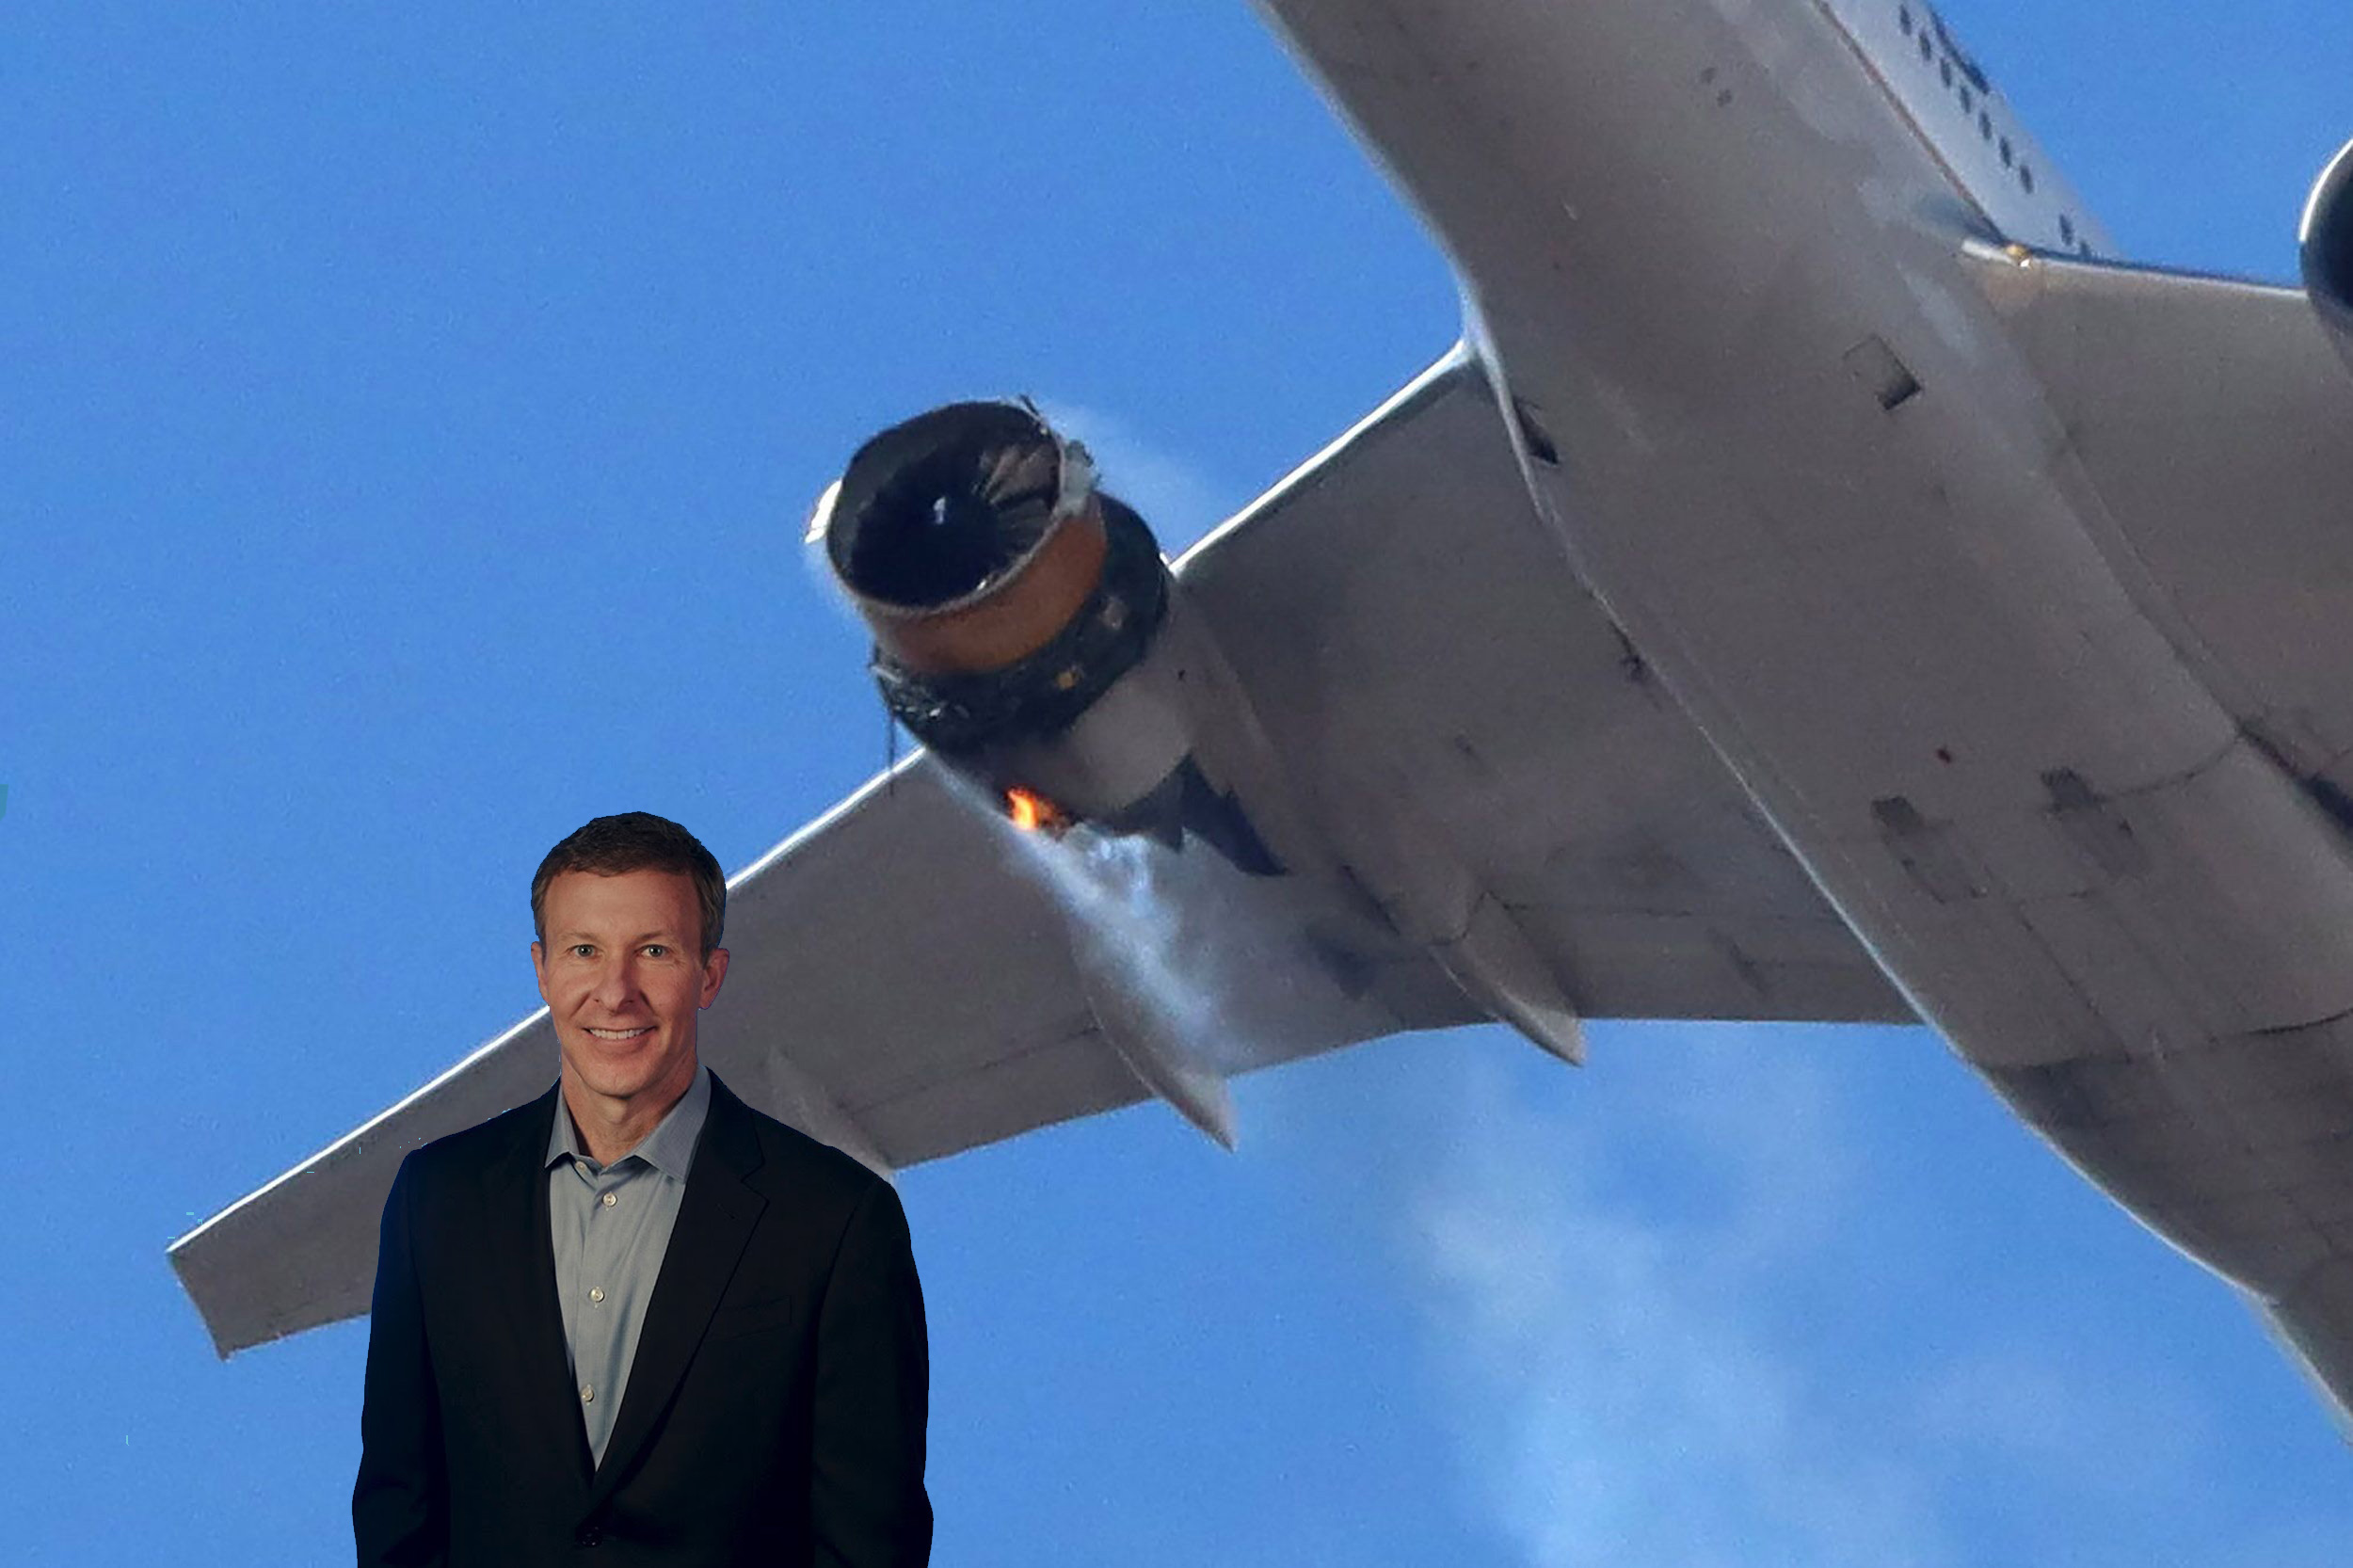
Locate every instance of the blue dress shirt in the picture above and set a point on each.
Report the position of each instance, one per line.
(611, 1226)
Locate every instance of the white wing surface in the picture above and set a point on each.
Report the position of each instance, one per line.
(2206, 424)
(903, 987)
(2213, 421)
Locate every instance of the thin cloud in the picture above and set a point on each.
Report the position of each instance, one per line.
(1617, 1402)
(1617, 1303)
(2018, 1409)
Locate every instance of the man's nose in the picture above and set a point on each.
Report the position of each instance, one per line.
(616, 981)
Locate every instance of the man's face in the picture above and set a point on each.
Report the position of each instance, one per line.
(621, 959)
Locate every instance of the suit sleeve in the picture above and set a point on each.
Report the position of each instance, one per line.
(400, 1503)
(867, 1501)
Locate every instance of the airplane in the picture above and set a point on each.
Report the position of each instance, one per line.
(1824, 582)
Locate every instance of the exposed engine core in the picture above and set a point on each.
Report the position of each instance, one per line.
(1026, 629)
(2325, 249)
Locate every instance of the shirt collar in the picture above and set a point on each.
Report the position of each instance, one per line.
(668, 1148)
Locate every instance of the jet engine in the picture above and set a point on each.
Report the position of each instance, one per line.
(2325, 249)
(1028, 631)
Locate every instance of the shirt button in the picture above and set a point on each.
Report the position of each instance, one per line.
(610, 1200)
(587, 1394)
(596, 1292)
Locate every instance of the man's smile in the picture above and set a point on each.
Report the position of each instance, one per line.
(620, 1033)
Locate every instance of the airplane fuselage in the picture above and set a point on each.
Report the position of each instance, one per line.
(1722, 261)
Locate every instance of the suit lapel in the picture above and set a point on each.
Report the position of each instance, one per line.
(518, 1267)
(714, 1220)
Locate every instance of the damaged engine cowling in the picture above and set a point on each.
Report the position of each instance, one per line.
(2325, 249)
(1027, 631)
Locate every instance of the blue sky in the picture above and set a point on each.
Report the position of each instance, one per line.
(406, 416)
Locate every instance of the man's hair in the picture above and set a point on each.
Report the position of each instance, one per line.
(632, 841)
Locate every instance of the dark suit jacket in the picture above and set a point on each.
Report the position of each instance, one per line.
(775, 1411)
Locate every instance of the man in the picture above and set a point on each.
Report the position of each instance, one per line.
(635, 1321)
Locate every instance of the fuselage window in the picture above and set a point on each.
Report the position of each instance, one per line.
(1985, 125)
(1966, 102)
(2083, 247)
(2025, 176)
(1944, 69)
(2005, 152)
(1927, 50)
(1968, 67)
(2067, 229)
(1903, 19)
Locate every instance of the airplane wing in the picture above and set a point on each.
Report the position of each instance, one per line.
(903, 984)
(2206, 424)
(2212, 420)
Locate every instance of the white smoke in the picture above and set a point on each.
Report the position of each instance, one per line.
(1165, 926)
(1110, 889)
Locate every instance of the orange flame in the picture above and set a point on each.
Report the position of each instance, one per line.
(1032, 812)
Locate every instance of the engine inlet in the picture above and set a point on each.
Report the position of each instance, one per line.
(1005, 593)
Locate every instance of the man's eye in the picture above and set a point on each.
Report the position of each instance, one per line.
(656, 946)
(580, 947)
